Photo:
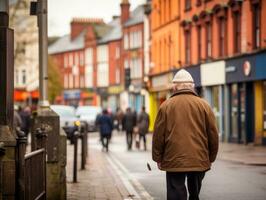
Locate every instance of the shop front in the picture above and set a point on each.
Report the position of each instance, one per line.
(136, 98)
(72, 97)
(212, 82)
(114, 96)
(240, 80)
(102, 93)
(159, 91)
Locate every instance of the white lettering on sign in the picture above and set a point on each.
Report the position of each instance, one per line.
(230, 69)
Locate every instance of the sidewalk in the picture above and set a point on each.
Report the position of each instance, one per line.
(98, 181)
(243, 154)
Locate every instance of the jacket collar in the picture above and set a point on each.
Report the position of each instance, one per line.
(184, 91)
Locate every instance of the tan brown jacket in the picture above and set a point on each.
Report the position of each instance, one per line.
(185, 134)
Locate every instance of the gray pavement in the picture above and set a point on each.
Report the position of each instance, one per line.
(226, 181)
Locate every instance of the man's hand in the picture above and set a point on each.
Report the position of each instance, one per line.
(159, 165)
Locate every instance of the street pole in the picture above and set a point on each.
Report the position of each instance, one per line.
(43, 52)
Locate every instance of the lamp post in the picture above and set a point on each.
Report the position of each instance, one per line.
(39, 8)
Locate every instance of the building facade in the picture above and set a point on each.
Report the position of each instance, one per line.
(26, 78)
(224, 41)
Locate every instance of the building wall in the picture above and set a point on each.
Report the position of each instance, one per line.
(195, 16)
(165, 30)
(115, 65)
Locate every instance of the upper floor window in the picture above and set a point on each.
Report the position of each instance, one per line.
(70, 59)
(222, 36)
(187, 46)
(208, 40)
(135, 39)
(199, 43)
(198, 3)
(256, 25)
(237, 31)
(24, 79)
(81, 59)
(65, 61)
(187, 5)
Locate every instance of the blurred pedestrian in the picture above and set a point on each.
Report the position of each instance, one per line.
(25, 115)
(106, 126)
(185, 140)
(129, 122)
(118, 119)
(17, 122)
(143, 126)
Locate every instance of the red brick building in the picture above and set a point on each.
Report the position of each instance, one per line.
(76, 55)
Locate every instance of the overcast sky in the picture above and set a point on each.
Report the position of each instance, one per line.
(62, 11)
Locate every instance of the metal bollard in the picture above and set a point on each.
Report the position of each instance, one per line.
(83, 148)
(75, 167)
(41, 138)
(22, 142)
(2, 153)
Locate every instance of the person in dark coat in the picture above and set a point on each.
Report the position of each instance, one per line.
(106, 126)
(129, 122)
(25, 115)
(143, 126)
(185, 139)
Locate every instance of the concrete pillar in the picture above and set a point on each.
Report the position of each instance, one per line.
(7, 136)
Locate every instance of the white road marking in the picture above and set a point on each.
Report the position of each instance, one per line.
(129, 181)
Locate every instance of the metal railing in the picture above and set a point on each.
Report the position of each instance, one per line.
(35, 175)
(32, 168)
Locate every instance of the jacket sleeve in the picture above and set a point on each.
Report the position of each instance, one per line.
(213, 138)
(158, 136)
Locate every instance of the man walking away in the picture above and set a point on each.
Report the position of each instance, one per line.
(143, 126)
(185, 140)
(106, 126)
(129, 122)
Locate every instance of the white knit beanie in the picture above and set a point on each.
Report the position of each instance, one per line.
(183, 76)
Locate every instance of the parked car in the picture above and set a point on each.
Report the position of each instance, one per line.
(89, 115)
(66, 114)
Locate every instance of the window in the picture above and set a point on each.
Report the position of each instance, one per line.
(88, 56)
(135, 68)
(208, 40)
(24, 79)
(102, 75)
(17, 77)
(187, 5)
(222, 35)
(89, 76)
(256, 26)
(126, 64)
(135, 40)
(199, 43)
(82, 81)
(187, 46)
(237, 32)
(76, 81)
(126, 41)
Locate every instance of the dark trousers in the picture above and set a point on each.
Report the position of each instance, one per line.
(129, 139)
(105, 141)
(176, 188)
(143, 136)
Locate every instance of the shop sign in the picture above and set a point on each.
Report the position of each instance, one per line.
(115, 89)
(212, 73)
(71, 94)
(240, 69)
(161, 82)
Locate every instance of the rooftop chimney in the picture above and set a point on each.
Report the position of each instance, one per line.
(125, 13)
(80, 24)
